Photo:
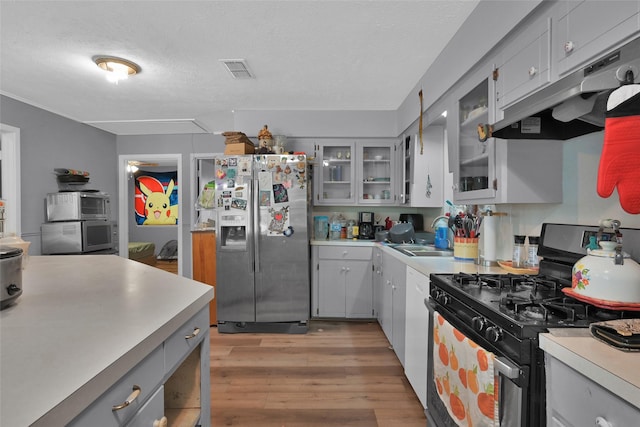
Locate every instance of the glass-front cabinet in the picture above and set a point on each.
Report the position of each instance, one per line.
(474, 172)
(375, 173)
(355, 172)
(335, 174)
(489, 170)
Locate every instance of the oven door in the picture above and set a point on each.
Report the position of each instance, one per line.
(510, 380)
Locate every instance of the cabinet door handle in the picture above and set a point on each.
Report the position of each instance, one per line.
(569, 46)
(133, 396)
(195, 333)
(533, 71)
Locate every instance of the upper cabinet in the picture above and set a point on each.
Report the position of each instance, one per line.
(421, 168)
(355, 172)
(524, 64)
(587, 28)
(334, 174)
(376, 173)
(489, 170)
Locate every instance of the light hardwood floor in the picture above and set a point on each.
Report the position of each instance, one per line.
(338, 374)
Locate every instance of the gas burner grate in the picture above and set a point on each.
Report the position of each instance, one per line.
(506, 282)
(545, 308)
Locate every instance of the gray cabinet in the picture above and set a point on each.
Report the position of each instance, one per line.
(343, 282)
(393, 303)
(376, 173)
(334, 173)
(422, 171)
(349, 172)
(574, 400)
(416, 331)
(498, 170)
(585, 29)
(171, 381)
(524, 64)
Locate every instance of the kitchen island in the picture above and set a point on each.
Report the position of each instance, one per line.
(83, 324)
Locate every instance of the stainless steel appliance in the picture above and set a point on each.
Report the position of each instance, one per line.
(504, 313)
(77, 206)
(10, 275)
(77, 237)
(262, 254)
(576, 104)
(365, 226)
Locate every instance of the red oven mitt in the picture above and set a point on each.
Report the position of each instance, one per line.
(620, 160)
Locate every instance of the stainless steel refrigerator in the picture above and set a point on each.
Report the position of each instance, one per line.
(262, 253)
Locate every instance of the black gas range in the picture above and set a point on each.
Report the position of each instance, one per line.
(505, 313)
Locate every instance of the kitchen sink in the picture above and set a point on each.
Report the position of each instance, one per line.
(421, 250)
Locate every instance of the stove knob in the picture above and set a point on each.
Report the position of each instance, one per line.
(478, 323)
(12, 289)
(493, 334)
(443, 298)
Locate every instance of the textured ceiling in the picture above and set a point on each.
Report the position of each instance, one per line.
(305, 55)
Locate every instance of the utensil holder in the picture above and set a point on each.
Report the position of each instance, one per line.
(465, 248)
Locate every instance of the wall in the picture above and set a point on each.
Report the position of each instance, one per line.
(171, 144)
(49, 141)
(581, 203)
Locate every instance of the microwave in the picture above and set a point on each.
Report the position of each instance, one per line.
(77, 237)
(77, 206)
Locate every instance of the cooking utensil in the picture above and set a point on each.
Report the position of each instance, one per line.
(402, 233)
(599, 275)
(10, 275)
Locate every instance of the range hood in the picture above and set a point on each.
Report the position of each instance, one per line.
(574, 105)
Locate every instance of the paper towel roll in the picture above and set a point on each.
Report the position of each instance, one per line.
(489, 237)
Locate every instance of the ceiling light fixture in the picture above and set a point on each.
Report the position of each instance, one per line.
(117, 68)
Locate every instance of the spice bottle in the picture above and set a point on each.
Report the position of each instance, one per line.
(532, 252)
(518, 258)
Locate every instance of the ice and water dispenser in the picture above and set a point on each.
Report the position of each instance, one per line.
(233, 230)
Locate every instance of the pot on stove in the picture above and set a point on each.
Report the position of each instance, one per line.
(607, 275)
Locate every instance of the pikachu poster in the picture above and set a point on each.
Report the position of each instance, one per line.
(156, 198)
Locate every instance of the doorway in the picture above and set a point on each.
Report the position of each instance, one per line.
(10, 178)
(134, 226)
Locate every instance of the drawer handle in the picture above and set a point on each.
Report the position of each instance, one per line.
(134, 394)
(195, 333)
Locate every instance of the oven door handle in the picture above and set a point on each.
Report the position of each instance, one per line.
(504, 367)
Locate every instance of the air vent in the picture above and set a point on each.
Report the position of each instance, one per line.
(238, 68)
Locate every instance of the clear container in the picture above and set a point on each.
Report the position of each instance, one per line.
(532, 252)
(335, 226)
(321, 227)
(518, 258)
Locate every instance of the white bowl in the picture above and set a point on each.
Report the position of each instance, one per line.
(377, 157)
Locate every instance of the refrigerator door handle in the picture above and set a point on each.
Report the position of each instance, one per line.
(256, 226)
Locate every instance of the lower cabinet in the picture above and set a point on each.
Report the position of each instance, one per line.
(392, 302)
(416, 331)
(203, 254)
(342, 282)
(171, 385)
(574, 400)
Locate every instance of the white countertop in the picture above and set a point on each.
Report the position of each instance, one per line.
(425, 265)
(82, 322)
(616, 370)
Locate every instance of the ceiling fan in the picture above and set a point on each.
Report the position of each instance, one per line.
(140, 163)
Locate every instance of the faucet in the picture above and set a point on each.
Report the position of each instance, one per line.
(438, 218)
